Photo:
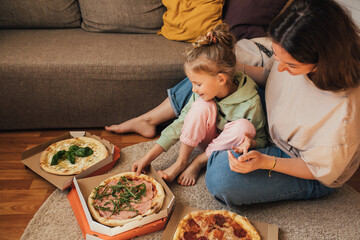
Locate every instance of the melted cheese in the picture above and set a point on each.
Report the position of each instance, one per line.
(80, 162)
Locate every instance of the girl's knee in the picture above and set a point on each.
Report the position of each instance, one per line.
(201, 105)
(241, 127)
(202, 117)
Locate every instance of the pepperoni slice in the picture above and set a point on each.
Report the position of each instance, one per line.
(240, 233)
(190, 235)
(193, 224)
(238, 230)
(219, 219)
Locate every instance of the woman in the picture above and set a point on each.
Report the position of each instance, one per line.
(312, 99)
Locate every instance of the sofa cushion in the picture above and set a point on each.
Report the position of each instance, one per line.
(249, 18)
(62, 78)
(186, 20)
(126, 16)
(39, 14)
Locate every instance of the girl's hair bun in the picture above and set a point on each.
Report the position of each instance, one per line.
(219, 35)
(213, 52)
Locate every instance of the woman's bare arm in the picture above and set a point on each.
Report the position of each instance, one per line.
(254, 160)
(256, 73)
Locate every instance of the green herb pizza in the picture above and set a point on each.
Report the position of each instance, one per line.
(124, 198)
(72, 156)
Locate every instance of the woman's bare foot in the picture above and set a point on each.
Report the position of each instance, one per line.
(140, 125)
(189, 175)
(172, 172)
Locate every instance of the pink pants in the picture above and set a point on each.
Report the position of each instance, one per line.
(200, 128)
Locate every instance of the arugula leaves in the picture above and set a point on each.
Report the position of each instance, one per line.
(73, 152)
(123, 193)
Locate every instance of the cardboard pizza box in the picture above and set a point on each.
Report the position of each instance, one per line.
(86, 185)
(88, 234)
(266, 231)
(31, 159)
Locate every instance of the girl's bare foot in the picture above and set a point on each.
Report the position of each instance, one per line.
(140, 125)
(189, 175)
(172, 172)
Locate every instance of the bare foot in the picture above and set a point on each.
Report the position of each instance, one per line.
(189, 175)
(172, 172)
(140, 125)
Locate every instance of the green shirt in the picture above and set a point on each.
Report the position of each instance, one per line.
(244, 103)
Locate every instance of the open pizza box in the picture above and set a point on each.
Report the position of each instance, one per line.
(266, 231)
(31, 159)
(85, 186)
(88, 234)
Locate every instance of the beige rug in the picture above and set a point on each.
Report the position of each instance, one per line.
(336, 216)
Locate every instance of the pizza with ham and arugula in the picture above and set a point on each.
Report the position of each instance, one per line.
(124, 198)
(215, 225)
(72, 156)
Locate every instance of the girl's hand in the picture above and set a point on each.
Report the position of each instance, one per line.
(248, 162)
(139, 166)
(244, 147)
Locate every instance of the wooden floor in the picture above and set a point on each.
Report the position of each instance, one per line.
(22, 192)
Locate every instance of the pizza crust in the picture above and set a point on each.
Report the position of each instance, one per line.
(244, 222)
(156, 201)
(202, 223)
(64, 167)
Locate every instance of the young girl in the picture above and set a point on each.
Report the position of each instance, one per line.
(221, 102)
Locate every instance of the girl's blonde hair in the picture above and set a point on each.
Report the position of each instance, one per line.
(213, 53)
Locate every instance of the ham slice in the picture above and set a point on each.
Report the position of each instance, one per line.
(124, 215)
(142, 206)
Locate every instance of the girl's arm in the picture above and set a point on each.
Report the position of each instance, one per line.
(254, 160)
(140, 165)
(256, 73)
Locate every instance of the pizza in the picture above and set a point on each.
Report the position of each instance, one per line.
(215, 224)
(124, 198)
(72, 156)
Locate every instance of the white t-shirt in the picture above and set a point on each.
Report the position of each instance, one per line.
(320, 127)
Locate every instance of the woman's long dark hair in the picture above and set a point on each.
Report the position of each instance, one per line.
(321, 32)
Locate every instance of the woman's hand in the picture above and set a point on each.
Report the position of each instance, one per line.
(249, 162)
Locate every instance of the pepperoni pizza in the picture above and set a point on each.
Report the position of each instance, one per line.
(215, 224)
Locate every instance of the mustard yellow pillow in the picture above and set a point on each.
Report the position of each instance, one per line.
(185, 20)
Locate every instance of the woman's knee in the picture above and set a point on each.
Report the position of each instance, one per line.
(225, 185)
(228, 192)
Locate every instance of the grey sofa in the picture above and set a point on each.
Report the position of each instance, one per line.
(70, 64)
